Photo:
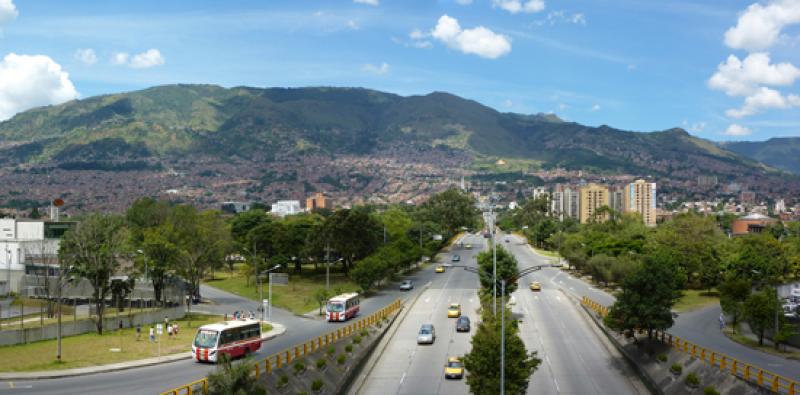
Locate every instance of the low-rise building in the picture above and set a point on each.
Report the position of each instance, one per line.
(318, 202)
(283, 208)
(28, 246)
(751, 223)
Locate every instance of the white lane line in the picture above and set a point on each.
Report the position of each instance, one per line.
(402, 378)
(428, 299)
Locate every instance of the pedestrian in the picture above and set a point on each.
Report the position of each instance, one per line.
(721, 321)
(175, 329)
(152, 334)
(138, 332)
(225, 318)
(166, 321)
(169, 331)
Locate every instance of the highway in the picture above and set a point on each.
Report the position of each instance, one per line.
(157, 378)
(406, 367)
(574, 359)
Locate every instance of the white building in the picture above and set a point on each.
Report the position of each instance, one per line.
(283, 208)
(27, 246)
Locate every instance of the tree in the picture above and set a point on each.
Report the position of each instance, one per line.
(507, 269)
(321, 295)
(759, 311)
(367, 272)
(647, 297)
(732, 294)
(694, 240)
(452, 209)
(146, 213)
(231, 379)
(202, 240)
(161, 254)
(94, 249)
(353, 233)
(483, 361)
(758, 257)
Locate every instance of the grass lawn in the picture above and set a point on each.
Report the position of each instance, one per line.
(694, 299)
(92, 349)
(297, 297)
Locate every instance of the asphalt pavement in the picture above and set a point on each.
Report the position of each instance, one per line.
(700, 326)
(406, 367)
(162, 377)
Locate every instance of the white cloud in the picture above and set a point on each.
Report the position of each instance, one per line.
(737, 130)
(352, 24)
(8, 11)
(383, 68)
(578, 19)
(147, 59)
(464, 2)
(119, 58)
(422, 44)
(743, 78)
(554, 17)
(562, 106)
(764, 99)
(367, 2)
(517, 6)
(759, 27)
(30, 81)
(477, 41)
(508, 103)
(595, 107)
(86, 56)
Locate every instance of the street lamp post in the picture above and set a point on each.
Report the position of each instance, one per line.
(503, 339)
(269, 297)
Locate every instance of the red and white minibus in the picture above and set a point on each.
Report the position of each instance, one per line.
(235, 338)
(342, 307)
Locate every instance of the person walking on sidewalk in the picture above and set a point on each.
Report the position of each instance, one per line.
(721, 321)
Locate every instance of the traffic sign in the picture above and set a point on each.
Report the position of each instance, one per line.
(279, 278)
(159, 329)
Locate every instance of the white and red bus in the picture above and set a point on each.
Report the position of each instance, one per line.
(342, 307)
(235, 338)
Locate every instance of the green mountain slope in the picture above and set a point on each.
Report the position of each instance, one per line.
(783, 153)
(255, 123)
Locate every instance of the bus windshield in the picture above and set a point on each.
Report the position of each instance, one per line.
(205, 338)
(336, 307)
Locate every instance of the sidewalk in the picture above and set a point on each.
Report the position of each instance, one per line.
(277, 330)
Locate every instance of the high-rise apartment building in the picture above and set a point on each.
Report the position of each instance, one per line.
(572, 203)
(617, 199)
(593, 197)
(557, 204)
(640, 197)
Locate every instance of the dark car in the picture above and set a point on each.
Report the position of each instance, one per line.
(406, 285)
(456, 258)
(462, 324)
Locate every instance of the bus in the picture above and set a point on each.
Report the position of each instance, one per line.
(235, 338)
(342, 307)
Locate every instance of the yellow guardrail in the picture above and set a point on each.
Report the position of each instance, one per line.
(745, 371)
(288, 355)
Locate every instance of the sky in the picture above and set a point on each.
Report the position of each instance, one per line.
(723, 70)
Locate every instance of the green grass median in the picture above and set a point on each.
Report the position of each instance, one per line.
(92, 349)
(694, 299)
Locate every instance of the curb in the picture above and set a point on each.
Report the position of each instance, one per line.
(277, 330)
(359, 381)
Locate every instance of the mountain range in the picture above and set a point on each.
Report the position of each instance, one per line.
(780, 152)
(204, 127)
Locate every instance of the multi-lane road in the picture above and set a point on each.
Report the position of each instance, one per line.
(574, 360)
(406, 367)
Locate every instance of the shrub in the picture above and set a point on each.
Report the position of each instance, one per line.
(321, 363)
(348, 348)
(331, 350)
(357, 340)
(299, 367)
(661, 357)
(340, 360)
(283, 380)
(676, 368)
(364, 333)
(692, 380)
(710, 391)
(316, 385)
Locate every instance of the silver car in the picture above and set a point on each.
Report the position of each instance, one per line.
(427, 334)
(406, 285)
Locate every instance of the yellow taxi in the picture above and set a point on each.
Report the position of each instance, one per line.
(454, 311)
(439, 269)
(536, 286)
(454, 368)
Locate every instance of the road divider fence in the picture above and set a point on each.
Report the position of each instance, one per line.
(742, 370)
(285, 357)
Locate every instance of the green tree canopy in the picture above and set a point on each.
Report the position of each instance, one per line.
(451, 209)
(507, 269)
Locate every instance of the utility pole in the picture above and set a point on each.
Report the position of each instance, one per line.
(503, 338)
(327, 266)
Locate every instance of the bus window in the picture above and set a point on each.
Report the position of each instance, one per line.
(205, 339)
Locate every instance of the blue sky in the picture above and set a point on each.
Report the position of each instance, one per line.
(631, 64)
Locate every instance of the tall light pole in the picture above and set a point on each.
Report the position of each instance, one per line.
(503, 339)
(269, 303)
(8, 272)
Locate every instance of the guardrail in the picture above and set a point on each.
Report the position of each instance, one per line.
(286, 356)
(726, 364)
